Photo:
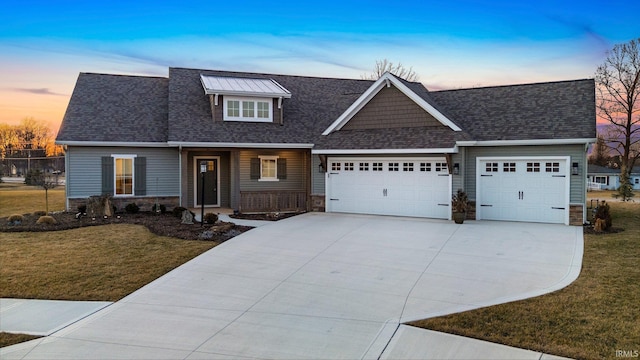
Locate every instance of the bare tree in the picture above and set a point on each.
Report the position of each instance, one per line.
(398, 70)
(600, 154)
(618, 92)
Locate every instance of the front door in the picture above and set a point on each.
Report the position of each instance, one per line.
(210, 179)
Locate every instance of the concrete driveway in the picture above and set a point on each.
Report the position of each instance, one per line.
(324, 286)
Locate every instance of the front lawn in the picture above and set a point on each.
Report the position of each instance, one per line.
(592, 318)
(23, 199)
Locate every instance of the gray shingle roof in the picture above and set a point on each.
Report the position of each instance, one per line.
(148, 109)
(116, 108)
(552, 110)
(314, 104)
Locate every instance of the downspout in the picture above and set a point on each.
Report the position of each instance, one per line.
(66, 176)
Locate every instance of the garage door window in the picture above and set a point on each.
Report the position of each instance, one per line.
(552, 167)
(335, 166)
(425, 167)
(348, 166)
(377, 166)
(533, 167)
(407, 167)
(509, 167)
(441, 167)
(364, 166)
(491, 167)
(394, 167)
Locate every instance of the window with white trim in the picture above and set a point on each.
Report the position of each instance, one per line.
(377, 166)
(348, 166)
(441, 167)
(123, 174)
(364, 166)
(407, 166)
(268, 168)
(394, 166)
(533, 167)
(425, 167)
(247, 109)
(335, 166)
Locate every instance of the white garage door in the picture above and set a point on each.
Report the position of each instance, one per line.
(400, 186)
(517, 189)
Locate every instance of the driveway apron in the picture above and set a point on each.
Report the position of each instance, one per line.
(321, 286)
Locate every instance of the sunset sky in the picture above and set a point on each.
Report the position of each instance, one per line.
(450, 44)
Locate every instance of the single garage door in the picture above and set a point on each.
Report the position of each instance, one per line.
(516, 189)
(383, 186)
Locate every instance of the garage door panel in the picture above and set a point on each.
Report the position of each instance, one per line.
(406, 187)
(523, 190)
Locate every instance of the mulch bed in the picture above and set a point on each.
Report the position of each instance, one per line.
(159, 224)
(588, 229)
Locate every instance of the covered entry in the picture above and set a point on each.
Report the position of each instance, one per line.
(523, 189)
(389, 186)
(211, 181)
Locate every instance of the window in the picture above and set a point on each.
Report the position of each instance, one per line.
(377, 166)
(335, 166)
(364, 166)
(440, 167)
(268, 168)
(425, 167)
(533, 167)
(552, 167)
(348, 166)
(394, 167)
(123, 174)
(636, 181)
(239, 109)
(491, 167)
(509, 167)
(600, 180)
(407, 166)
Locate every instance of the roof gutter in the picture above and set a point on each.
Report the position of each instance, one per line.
(114, 143)
(452, 150)
(241, 145)
(527, 142)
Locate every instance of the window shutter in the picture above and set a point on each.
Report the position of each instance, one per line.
(255, 169)
(282, 169)
(107, 175)
(140, 175)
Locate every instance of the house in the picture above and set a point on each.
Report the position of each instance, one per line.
(604, 178)
(270, 142)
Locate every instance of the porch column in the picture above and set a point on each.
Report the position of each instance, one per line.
(234, 176)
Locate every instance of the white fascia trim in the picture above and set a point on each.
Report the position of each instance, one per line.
(241, 145)
(114, 143)
(383, 151)
(247, 94)
(372, 91)
(527, 142)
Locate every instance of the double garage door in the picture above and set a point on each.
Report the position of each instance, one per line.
(529, 189)
(384, 186)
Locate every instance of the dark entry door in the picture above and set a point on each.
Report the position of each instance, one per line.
(210, 182)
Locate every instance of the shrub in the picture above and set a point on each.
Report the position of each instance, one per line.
(15, 218)
(131, 208)
(210, 218)
(40, 213)
(603, 213)
(49, 220)
(177, 211)
(82, 209)
(33, 177)
(163, 209)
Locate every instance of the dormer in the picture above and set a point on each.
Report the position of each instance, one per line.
(245, 99)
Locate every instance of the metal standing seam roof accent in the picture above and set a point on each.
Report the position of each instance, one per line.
(243, 86)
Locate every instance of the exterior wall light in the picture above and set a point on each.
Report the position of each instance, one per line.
(456, 169)
(574, 168)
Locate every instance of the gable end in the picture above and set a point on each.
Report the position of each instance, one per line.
(391, 108)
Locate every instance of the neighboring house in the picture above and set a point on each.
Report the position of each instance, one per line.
(270, 142)
(604, 178)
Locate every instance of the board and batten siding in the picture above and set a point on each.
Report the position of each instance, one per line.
(576, 153)
(84, 171)
(296, 173)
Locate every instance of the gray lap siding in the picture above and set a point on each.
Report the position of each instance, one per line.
(84, 172)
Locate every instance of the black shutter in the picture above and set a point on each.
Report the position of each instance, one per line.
(282, 168)
(255, 169)
(140, 176)
(107, 175)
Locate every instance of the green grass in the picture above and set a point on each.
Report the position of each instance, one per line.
(590, 319)
(23, 199)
